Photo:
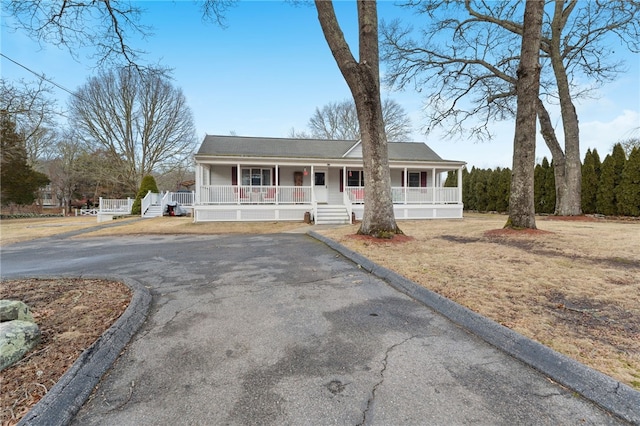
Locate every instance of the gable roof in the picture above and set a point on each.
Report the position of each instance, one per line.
(244, 146)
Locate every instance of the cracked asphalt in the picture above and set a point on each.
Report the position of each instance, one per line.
(282, 330)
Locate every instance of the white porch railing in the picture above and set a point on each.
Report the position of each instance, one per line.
(113, 205)
(182, 198)
(401, 195)
(234, 194)
(347, 203)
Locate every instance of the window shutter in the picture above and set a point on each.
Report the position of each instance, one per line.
(423, 179)
(341, 181)
(402, 178)
(234, 175)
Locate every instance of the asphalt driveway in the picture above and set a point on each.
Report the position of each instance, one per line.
(281, 329)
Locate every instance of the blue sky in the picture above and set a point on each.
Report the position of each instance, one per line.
(268, 70)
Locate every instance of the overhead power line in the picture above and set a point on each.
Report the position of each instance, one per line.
(40, 76)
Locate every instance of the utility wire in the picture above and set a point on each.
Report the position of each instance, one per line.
(40, 76)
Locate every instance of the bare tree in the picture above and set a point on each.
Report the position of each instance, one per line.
(138, 117)
(363, 78)
(29, 105)
(468, 69)
(104, 26)
(630, 144)
(521, 199)
(339, 121)
(63, 170)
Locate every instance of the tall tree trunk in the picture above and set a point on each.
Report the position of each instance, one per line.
(568, 190)
(363, 79)
(521, 201)
(557, 154)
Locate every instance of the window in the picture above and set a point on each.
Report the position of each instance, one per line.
(414, 179)
(355, 178)
(256, 177)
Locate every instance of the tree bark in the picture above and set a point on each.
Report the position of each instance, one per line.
(568, 190)
(363, 79)
(521, 200)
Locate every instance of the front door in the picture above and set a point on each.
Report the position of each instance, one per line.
(320, 185)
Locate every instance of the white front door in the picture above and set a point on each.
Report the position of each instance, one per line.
(320, 185)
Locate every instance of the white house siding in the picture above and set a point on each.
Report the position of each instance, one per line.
(356, 152)
(220, 175)
(286, 175)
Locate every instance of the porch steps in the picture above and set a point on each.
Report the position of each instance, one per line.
(154, 210)
(331, 215)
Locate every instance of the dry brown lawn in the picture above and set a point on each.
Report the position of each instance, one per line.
(574, 287)
(17, 230)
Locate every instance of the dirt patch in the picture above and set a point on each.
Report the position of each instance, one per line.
(510, 232)
(71, 314)
(580, 218)
(396, 239)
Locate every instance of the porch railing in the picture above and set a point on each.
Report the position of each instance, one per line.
(182, 198)
(402, 195)
(241, 194)
(113, 205)
(234, 194)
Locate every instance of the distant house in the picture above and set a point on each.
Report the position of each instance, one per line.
(275, 179)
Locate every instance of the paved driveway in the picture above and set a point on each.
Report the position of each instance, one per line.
(280, 329)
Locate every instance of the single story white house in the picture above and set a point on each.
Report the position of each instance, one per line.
(277, 179)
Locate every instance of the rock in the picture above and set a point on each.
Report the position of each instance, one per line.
(14, 310)
(16, 339)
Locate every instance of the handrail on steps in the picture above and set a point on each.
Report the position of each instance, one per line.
(146, 203)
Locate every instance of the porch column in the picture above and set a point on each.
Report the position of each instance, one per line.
(277, 180)
(198, 184)
(405, 185)
(460, 185)
(312, 181)
(344, 183)
(239, 181)
(433, 179)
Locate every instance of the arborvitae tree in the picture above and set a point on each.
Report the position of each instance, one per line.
(493, 177)
(590, 178)
(148, 184)
(19, 181)
(502, 193)
(544, 187)
(480, 192)
(605, 197)
(628, 192)
(467, 197)
(452, 179)
(620, 157)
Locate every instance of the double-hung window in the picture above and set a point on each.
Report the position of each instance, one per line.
(256, 177)
(414, 179)
(355, 178)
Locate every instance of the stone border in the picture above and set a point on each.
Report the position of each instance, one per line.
(63, 401)
(611, 395)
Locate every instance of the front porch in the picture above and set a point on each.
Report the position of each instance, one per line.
(282, 203)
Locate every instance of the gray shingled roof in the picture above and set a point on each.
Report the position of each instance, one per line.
(304, 148)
